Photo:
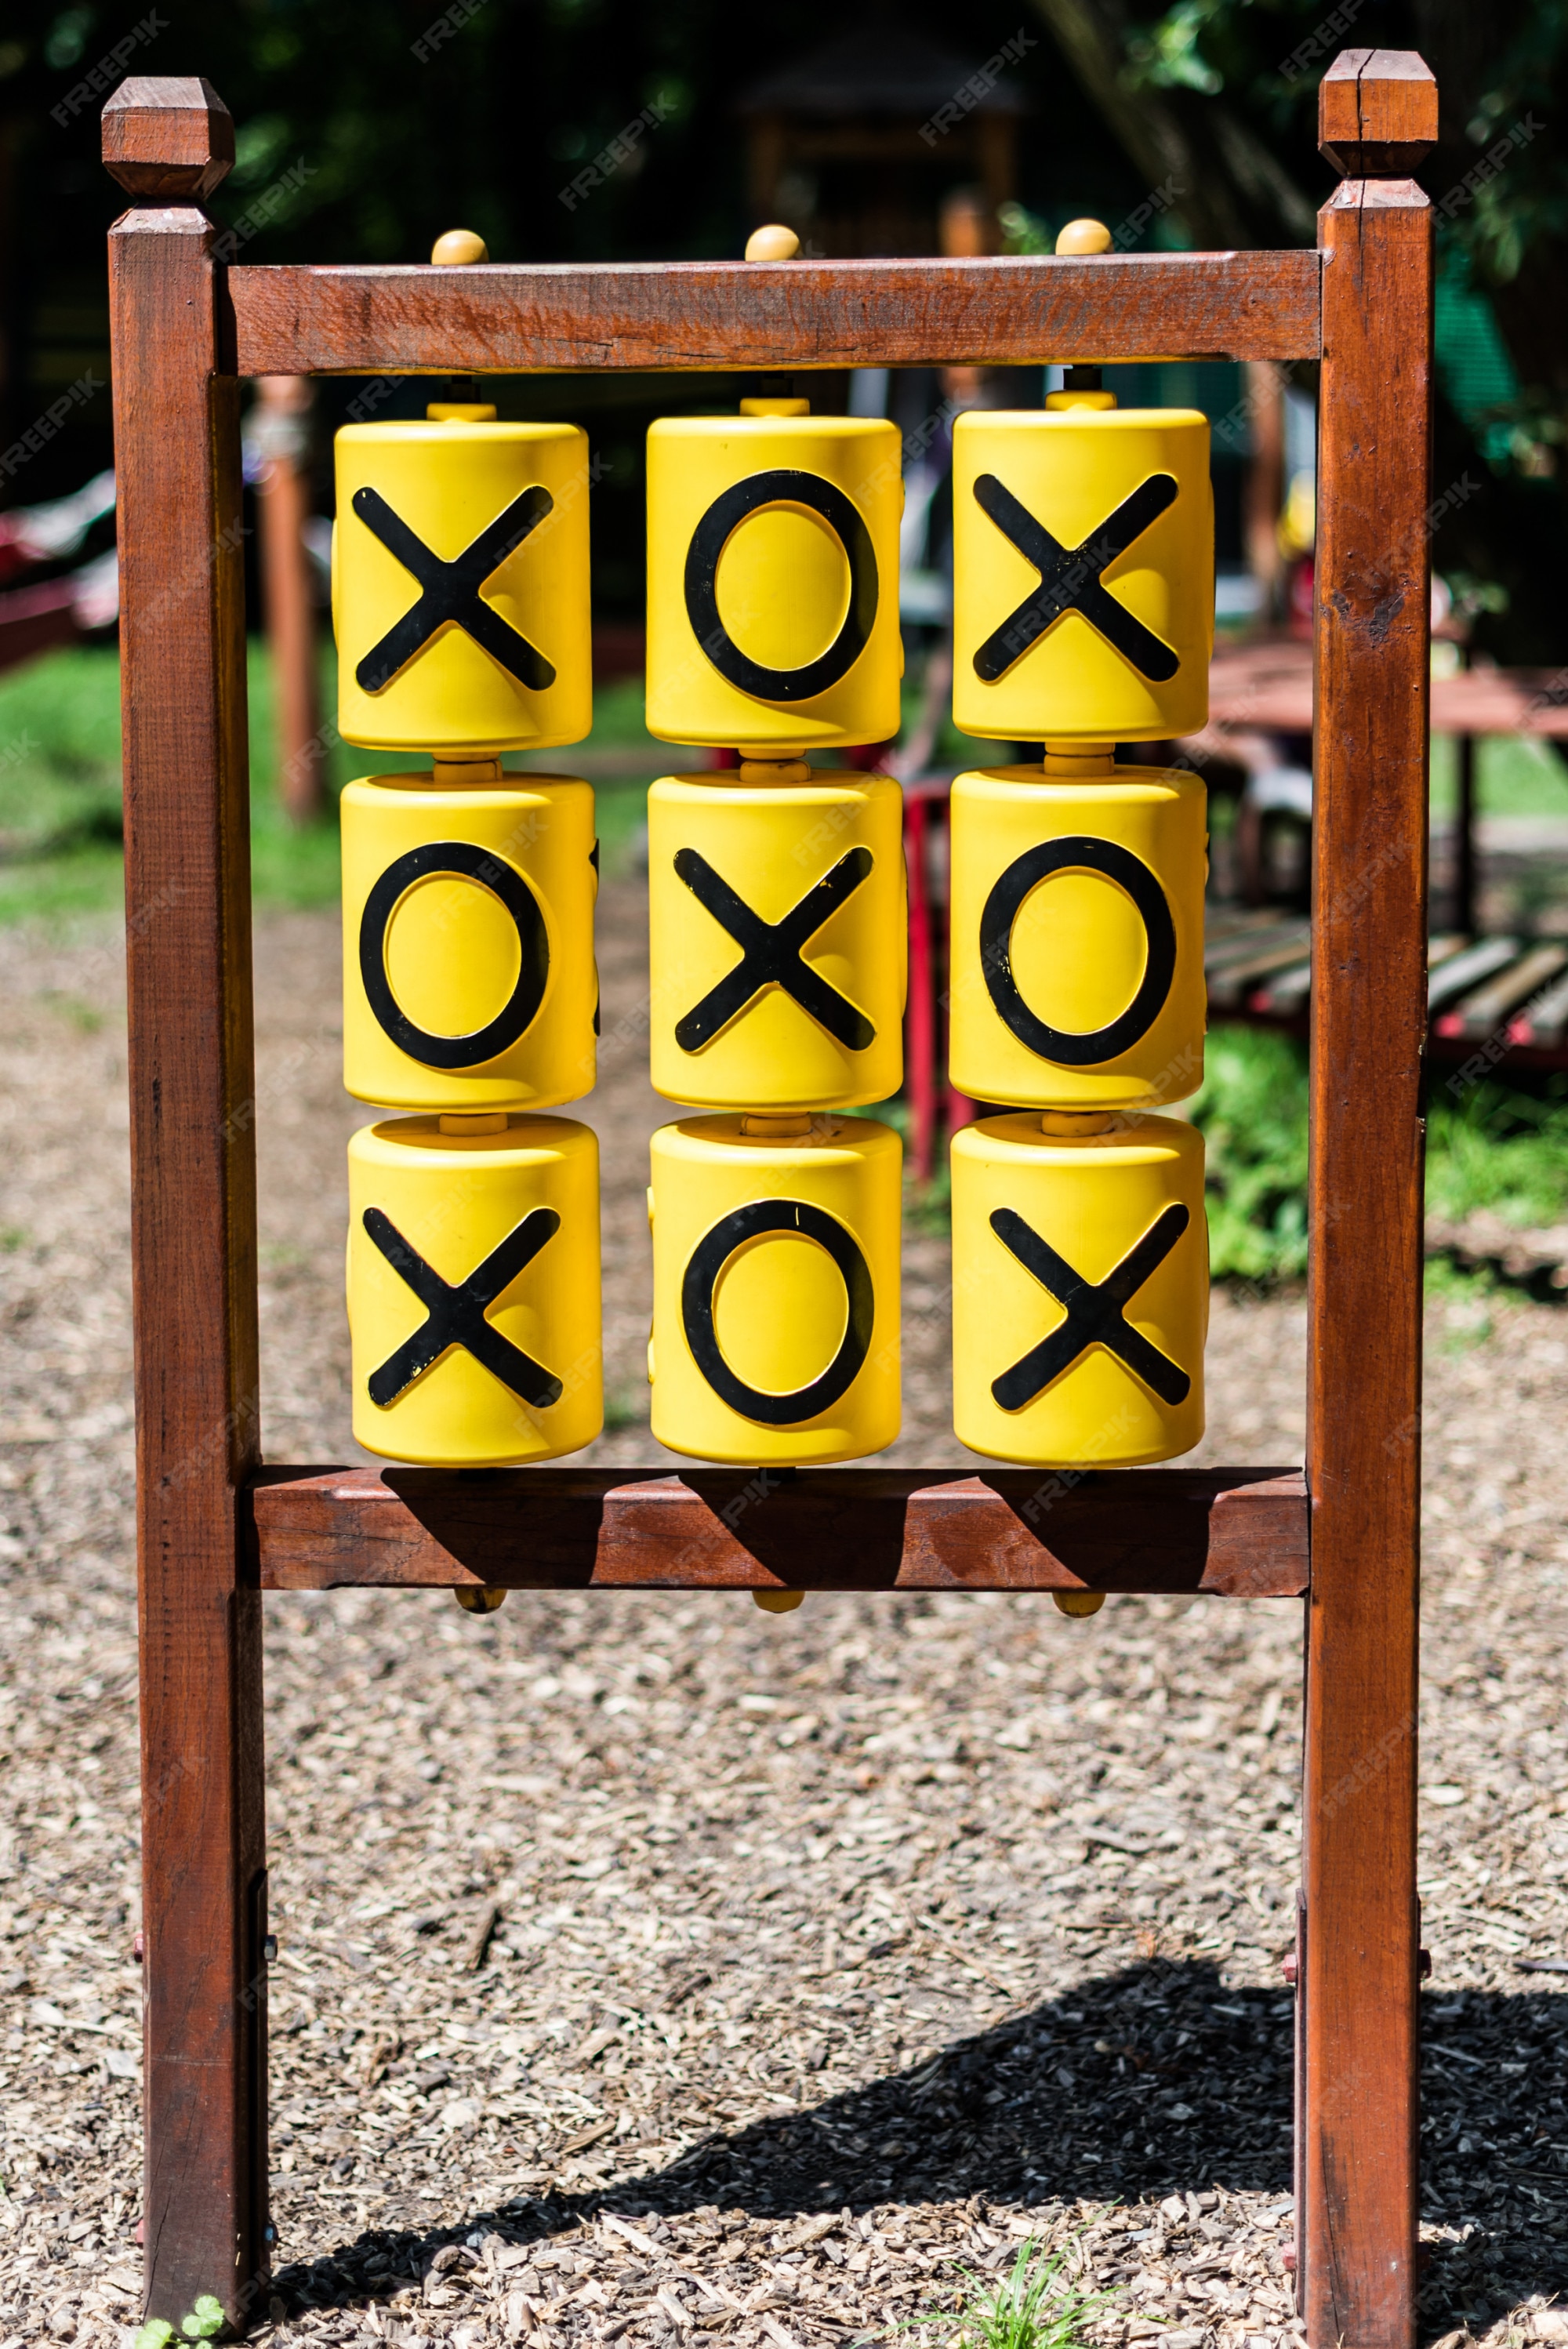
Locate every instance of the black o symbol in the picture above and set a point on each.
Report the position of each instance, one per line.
(709, 1259)
(1072, 1048)
(503, 880)
(782, 486)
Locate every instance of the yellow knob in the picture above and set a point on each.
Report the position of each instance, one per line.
(778, 1602)
(475, 1600)
(1079, 1602)
(774, 242)
(1084, 236)
(457, 248)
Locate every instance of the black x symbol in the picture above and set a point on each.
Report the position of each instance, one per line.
(1070, 579)
(770, 953)
(456, 1316)
(1094, 1310)
(451, 590)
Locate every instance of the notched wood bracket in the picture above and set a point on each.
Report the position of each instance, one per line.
(1233, 1532)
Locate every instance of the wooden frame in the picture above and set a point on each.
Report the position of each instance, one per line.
(215, 1530)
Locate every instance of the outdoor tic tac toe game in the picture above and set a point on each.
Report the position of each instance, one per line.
(1083, 616)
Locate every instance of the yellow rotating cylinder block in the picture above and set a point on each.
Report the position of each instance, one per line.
(467, 941)
(1077, 951)
(778, 940)
(473, 1289)
(773, 580)
(1083, 544)
(775, 1288)
(459, 588)
(1080, 1266)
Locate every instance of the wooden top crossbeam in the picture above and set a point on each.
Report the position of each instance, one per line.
(702, 315)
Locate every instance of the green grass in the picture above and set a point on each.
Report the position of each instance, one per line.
(1490, 1148)
(1251, 1110)
(60, 831)
(59, 785)
(618, 722)
(1038, 2306)
(60, 852)
(1513, 776)
(1463, 1299)
(1497, 1150)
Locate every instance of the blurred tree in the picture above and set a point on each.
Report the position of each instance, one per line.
(1216, 101)
(559, 130)
(363, 133)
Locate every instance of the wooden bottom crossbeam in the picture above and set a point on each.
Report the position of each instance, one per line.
(1239, 1533)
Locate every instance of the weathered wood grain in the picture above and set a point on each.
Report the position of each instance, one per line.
(808, 313)
(1357, 2186)
(1376, 112)
(167, 138)
(1239, 1532)
(193, 1261)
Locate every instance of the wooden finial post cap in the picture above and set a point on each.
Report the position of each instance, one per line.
(168, 135)
(1377, 113)
(459, 249)
(774, 242)
(1084, 236)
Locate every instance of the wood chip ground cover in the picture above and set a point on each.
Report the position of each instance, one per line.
(649, 1966)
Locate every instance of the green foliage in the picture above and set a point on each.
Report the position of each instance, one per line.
(1170, 54)
(1024, 232)
(1499, 1151)
(1252, 1111)
(59, 785)
(59, 755)
(1035, 2307)
(1269, 60)
(1487, 1149)
(203, 2323)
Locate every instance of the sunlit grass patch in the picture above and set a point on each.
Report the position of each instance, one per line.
(1038, 2306)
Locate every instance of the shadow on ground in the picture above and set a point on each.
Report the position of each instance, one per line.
(1149, 2080)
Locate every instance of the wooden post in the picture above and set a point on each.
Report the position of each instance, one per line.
(170, 142)
(1358, 2180)
(1264, 492)
(282, 503)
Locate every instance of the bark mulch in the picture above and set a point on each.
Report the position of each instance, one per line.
(650, 1967)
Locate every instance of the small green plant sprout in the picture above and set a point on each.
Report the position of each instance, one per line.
(1036, 2307)
(204, 2323)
